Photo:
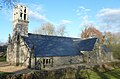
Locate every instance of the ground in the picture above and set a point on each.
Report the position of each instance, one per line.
(111, 71)
(93, 74)
(5, 67)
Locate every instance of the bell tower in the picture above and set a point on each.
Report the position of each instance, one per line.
(20, 20)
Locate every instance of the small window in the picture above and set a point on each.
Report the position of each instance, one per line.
(49, 61)
(46, 61)
(20, 15)
(21, 8)
(43, 61)
(24, 16)
(25, 10)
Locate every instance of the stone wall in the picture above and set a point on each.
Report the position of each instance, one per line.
(10, 58)
(48, 62)
(67, 60)
(24, 54)
(11, 53)
(20, 20)
(18, 53)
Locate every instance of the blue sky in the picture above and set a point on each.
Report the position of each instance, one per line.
(74, 14)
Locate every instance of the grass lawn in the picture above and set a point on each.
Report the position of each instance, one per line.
(85, 74)
(2, 59)
(5, 73)
(112, 74)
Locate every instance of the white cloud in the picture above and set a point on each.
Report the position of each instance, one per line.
(36, 13)
(85, 18)
(86, 22)
(109, 15)
(82, 13)
(82, 10)
(37, 16)
(64, 22)
(37, 7)
(109, 19)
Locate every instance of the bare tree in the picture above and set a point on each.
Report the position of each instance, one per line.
(49, 29)
(8, 3)
(46, 29)
(61, 30)
(113, 43)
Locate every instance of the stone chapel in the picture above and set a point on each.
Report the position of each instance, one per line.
(42, 51)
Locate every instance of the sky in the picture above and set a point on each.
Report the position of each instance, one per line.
(74, 14)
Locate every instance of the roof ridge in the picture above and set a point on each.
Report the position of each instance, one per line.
(52, 36)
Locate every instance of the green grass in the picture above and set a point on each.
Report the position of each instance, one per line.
(5, 73)
(2, 59)
(93, 74)
(83, 74)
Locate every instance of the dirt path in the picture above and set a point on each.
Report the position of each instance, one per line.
(5, 67)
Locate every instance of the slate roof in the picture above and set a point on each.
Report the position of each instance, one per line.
(87, 45)
(48, 46)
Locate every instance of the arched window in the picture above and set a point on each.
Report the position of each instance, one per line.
(24, 16)
(46, 61)
(25, 10)
(21, 8)
(43, 61)
(20, 15)
(49, 61)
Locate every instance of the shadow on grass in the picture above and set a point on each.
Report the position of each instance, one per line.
(115, 73)
(101, 74)
(22, 71)
(1, 73)
(2, 59)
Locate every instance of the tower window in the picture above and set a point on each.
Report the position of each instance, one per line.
(21, 8)
(25, 10)
(20, 15)
(24, 16)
